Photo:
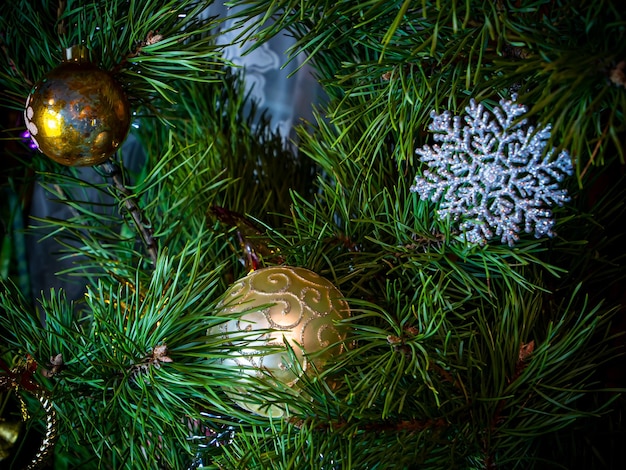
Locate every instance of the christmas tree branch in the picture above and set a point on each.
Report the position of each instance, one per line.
(433, 376)
(15, 71)
(402, 425)
(145, 43)
(394, 71)
(111, 169)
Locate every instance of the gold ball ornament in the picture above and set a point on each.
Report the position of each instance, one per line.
(77, 115)
(284, 305)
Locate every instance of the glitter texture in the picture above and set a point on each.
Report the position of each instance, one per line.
(493, 176)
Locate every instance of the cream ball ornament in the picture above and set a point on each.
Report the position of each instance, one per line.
(284, 305)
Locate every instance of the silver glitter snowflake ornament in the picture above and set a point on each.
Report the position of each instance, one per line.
(493, 174)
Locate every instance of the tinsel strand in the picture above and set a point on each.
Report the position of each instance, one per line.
(18, 379)
(50, 434)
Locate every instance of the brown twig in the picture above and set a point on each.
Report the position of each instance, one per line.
(112, 169)
(412, 425)
(399, 342)
(61, 30)
(524, 353)
(595, 150)
(56, 365)
(12, 65)
(158, 356)
(255, 250)
(151, 38)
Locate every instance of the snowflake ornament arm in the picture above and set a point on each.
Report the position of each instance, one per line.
(492, 175)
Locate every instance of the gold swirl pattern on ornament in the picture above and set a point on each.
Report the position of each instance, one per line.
(270, 282)
(316, 335)
(237, 289)
(286, 313)
(311, 296)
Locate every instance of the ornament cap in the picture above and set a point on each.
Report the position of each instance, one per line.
(77, 53)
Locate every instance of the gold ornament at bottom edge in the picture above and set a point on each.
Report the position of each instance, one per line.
(9, 432)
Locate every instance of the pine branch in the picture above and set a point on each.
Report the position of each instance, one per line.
(402, 62)
(433, 376)
(112, 170)
(145, 43)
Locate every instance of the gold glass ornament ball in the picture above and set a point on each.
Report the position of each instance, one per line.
(77, 115)
(271, 307)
